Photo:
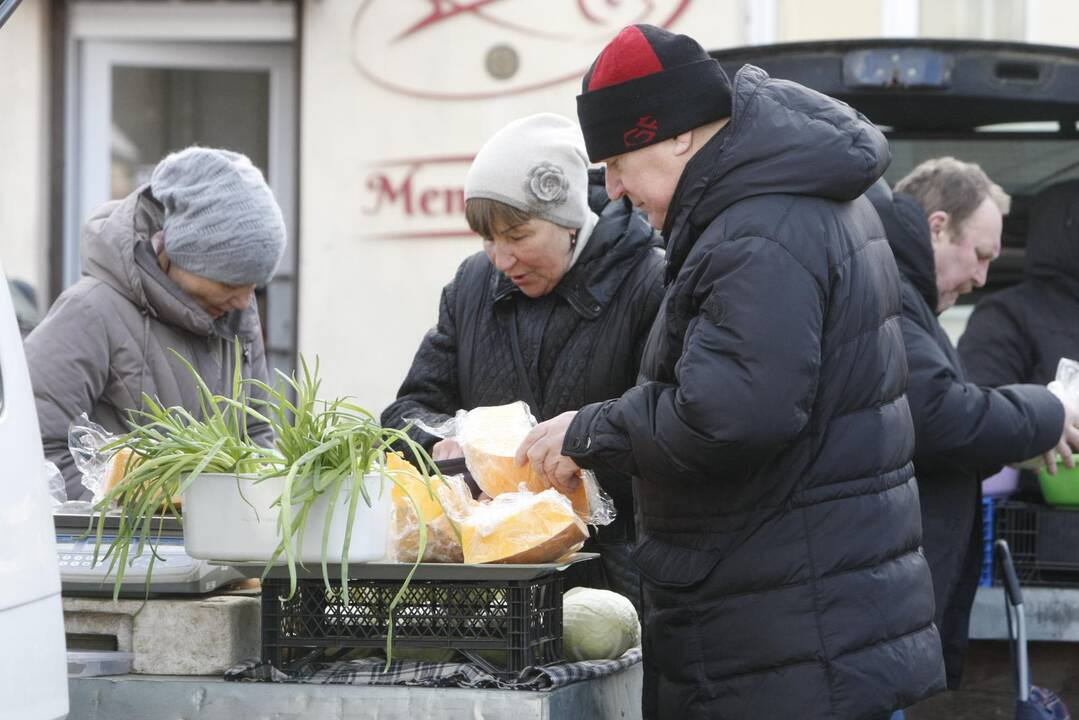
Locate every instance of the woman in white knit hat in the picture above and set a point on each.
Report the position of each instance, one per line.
(554, 311)
(173, 265)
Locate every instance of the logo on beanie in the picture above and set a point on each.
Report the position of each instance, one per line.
(547, 184)
(642, 133)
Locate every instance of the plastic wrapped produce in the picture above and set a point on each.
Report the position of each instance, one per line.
(521, 527)
(411, 494)
(490, 436)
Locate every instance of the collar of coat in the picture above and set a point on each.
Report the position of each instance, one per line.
(782, 139)
(908, 234)
(613, 247)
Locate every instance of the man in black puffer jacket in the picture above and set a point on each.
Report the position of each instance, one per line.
(769, 439)
(1020, 334)
(962, 432)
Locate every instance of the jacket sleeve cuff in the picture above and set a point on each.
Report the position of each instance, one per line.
(1051, 408)
(578, 441)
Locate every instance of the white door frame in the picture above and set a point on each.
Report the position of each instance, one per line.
(89, 131)
(192, 36)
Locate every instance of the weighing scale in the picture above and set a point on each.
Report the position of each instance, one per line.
(174, 573)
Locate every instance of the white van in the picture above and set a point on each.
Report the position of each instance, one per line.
(33, 662)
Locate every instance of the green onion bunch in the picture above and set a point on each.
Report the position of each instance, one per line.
(322, 448)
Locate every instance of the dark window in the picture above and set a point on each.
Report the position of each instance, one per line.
(1022, 162)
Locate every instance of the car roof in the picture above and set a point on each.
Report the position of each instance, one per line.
(927, 85)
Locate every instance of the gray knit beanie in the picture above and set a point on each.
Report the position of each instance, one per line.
(538, 165)
(221, 219)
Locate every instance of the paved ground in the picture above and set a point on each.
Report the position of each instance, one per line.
(988, 691)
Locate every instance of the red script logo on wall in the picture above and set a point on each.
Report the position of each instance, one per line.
(418, 197)
(445, 49)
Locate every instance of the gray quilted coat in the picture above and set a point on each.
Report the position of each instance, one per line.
(106, 339)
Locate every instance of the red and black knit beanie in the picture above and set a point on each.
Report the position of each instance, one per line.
(646, 86)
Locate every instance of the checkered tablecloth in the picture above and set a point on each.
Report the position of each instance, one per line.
(372, 671)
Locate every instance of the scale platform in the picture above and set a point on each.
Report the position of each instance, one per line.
(174, 571)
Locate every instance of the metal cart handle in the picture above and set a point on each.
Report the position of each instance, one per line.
(1011, 580)
(1013, 607)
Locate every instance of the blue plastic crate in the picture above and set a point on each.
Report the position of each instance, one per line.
(986, 578)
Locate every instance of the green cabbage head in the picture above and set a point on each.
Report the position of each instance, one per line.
(598, 624)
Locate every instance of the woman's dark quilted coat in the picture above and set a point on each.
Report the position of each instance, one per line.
(579, 344)
(770, 440)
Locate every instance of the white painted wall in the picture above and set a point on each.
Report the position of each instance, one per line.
(24, 137)
(369, 109)
(1052, 22)
(368, 296)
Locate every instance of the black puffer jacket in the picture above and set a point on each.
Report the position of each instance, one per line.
(1020, 334)
(771, 442)
(962, 432)
(595, 323)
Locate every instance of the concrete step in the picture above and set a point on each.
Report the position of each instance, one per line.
(189, 636)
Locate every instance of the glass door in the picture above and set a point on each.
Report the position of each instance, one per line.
(136, 101)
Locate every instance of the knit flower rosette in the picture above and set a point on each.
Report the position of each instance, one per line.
(547, 184)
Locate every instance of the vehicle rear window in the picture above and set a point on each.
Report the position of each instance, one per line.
(1023, 163)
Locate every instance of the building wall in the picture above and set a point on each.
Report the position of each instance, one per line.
(384, 154)
(24, 137)
(384, 150)
(1053, 22)
(827, 19)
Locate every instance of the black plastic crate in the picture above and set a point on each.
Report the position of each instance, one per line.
(1044, 543)
(503, 625)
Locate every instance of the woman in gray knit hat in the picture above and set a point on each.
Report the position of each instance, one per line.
(554, 311)
(173, 266)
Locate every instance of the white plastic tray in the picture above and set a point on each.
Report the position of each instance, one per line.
(425, 571)
(98, 662)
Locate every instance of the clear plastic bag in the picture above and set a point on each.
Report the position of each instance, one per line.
(86, 440)
(411, 500)
(1066, 384)
(55, 483)
(490, 436)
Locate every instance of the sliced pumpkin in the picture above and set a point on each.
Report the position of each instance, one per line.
(443, 545)
(410, 484)
(522, 528)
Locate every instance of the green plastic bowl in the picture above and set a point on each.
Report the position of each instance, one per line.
(1062, 488)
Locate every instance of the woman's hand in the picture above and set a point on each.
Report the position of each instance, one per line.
(447, 449)
(543, 448)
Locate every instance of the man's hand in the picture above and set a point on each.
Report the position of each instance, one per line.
(1069, 434)
(543, 448)
(447, 449)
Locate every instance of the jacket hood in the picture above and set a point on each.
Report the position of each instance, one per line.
(908, 234)
(618, 238)
(1053, 238)
(116, 249)
(782, 138)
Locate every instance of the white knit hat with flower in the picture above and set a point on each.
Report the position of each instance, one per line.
(538, 165)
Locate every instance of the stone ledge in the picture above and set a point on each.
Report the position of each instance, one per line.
(1051, 613)
(137, 697)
